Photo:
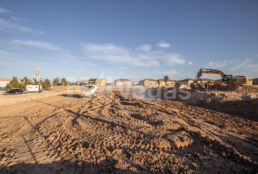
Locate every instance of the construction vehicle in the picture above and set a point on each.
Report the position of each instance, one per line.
(228, 79)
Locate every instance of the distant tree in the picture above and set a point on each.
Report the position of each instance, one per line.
(25, 81)
(56, 81)
(63, 82)
(41, 82)
(46, 84)
(166, 78)
(14, 83)
(35, 82)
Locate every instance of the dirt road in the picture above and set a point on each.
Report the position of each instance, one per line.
(112, 133)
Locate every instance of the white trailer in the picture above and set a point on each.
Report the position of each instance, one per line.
(34, 88)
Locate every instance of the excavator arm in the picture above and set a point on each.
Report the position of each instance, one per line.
(208, 71)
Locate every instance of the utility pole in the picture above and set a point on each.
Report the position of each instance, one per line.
(37, 73)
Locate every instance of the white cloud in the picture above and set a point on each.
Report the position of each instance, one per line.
(173, 59)
(145, 47)
(170, 73)
(142, 56)
(37, 44)
(244, 64)
(232, 65)
(2, 52)
(213, 64)
(163, 45)
(7, 25)
(190, 63)
(10, 21)
(164, 73)
(5, 11)
(248, 66)
(11, 15)
(6, 56)
(115, 54)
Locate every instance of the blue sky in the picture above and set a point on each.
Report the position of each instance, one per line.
(127, 39)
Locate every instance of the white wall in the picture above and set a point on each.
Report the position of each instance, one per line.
(3, 83)
(122, 83)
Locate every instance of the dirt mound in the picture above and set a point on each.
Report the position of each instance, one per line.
(219, 97)
(247, 89)
(227, 87)
(236, 88)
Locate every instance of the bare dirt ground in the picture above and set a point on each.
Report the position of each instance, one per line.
(115, 134)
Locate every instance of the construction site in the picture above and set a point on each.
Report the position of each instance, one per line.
(132, 86)
(150, 127)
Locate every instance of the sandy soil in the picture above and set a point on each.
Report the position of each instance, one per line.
(57, 90)
(57, 133)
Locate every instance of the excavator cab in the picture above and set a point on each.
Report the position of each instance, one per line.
(228, 78)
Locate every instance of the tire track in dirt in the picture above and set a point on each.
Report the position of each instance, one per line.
(194, 127)
(213, 136)
(30, 136)
(143, 135)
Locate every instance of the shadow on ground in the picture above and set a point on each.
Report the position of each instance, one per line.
(69, 167)
(71, 95)
(246, 109)
(243, 109)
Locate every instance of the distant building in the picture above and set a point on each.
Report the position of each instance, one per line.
(186, 81)
(123, 82)
(98, 82)
(206, 80)
(3, 83)
(82, 82)
(149, 83)
(162, 82)
(170, 83)
(134, 83)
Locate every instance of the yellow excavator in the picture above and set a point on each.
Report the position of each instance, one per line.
(228, 79)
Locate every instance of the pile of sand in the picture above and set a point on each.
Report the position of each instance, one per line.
(228, 87)
(220, 97)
